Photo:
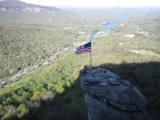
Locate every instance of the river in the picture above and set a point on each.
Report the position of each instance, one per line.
(108, 26)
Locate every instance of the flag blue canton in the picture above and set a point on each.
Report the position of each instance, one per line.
(84, 48)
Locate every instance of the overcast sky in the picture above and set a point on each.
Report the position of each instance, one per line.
(96, 2)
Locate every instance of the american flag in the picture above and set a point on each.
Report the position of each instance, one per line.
(84, 48)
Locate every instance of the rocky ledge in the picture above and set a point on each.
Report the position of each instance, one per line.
(108, 97)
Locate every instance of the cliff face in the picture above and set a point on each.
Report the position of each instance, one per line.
(108, 97)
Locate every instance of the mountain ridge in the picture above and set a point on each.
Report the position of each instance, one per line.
(14, 5)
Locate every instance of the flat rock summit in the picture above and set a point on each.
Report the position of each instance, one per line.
(108, 97)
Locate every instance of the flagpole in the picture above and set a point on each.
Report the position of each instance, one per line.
(91, 39)
(91, 56)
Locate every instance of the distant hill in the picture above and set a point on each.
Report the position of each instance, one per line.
(16, 5)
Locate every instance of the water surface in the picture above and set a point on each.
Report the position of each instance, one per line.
(108, 26)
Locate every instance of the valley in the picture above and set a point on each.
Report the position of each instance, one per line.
(38, 63)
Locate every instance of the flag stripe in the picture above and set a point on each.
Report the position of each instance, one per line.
(84, 48)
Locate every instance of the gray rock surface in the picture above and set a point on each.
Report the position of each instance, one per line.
(108, 97)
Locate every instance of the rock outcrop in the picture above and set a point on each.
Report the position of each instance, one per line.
(108, 97)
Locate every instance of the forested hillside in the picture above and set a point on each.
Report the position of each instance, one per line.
(39, 69)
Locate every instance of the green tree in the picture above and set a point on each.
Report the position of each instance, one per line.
(60, 89)
(35, 96)
(1, 107)
(22, 109)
